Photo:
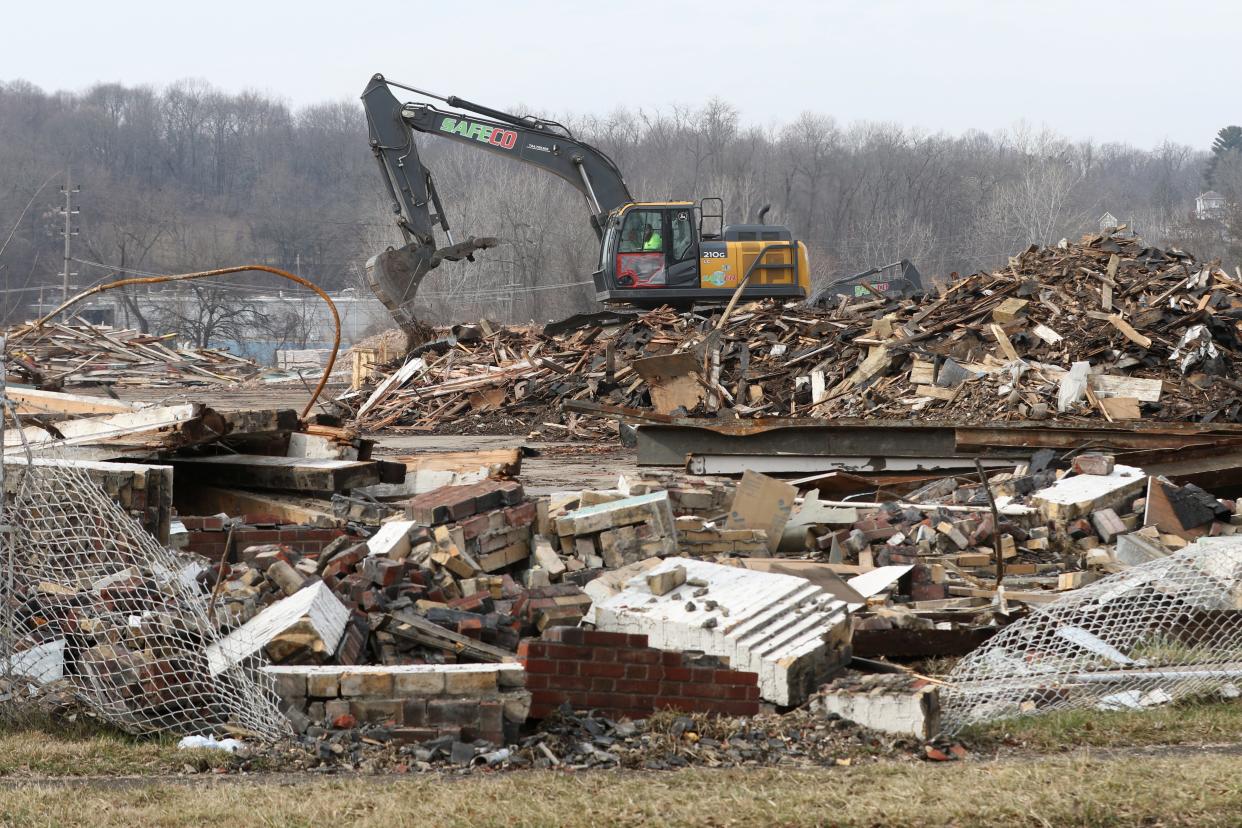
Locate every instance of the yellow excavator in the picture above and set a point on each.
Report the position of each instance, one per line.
(651, 253)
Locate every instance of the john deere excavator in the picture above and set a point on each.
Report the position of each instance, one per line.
(651, 253)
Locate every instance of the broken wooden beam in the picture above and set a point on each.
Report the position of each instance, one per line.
(299, 474)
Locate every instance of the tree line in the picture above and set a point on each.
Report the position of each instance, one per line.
(189, 177)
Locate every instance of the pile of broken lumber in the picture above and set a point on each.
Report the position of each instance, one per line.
(1103, 329)
(57, 355)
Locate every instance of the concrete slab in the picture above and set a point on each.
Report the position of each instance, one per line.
(791, 632)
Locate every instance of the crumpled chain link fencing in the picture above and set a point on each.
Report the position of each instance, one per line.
(91, 599)
(1160, 631)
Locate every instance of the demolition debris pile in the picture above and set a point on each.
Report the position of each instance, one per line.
(1102, 329)
(434, 599)
(58, 355)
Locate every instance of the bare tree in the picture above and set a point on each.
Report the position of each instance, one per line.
(208, 315)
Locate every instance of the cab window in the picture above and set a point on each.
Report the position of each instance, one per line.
(683, 234)
(609, 235)
(642, 232)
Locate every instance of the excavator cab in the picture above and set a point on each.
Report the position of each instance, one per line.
(677, 253)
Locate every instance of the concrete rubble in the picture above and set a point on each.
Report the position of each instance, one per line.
(791, 633)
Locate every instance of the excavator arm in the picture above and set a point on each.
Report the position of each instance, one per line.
(395, 274)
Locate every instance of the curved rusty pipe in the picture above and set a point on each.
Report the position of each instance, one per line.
(205, 274)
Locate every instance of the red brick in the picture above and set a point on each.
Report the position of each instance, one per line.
(595, 638)
(550, 698)
(699, 691)
(702, 675)
(568, 651)
(569, 683)
(736, 692)
(256, 536)
(645, 688)
(473, 527)
(603, 685)
(540, 665)
(672, 659)
(590, 668)
(531, 648)
(604, 655)
(677, 674)
(735, 677)
(567, 668)
(642, 671)
(536, 681)
(644, 656)
(522, 515)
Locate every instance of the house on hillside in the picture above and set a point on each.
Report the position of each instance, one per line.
(1107, 221)
(1209, 205)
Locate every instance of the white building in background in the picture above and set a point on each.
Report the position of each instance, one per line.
(1209, 205)
(1108, 220)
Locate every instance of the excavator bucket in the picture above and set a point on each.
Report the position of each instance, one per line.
(395, 274)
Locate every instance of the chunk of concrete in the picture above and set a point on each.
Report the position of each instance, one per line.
(792, 633)
(654, 508)
(1079, 495)
(392, 540)
(888, 703)
(1134, 549)
(313, 617)
(666, 580)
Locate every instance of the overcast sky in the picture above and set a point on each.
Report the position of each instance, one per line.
(1138, 72)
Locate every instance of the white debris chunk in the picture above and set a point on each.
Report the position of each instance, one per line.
(790, 632)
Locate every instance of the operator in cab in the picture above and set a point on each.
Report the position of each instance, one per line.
(653, 241)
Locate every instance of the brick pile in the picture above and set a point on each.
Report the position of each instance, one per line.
(700, 538)
(207, 536)
(480, 527)
(615, 532)
(416, 703)
(619, 675)
(438, 587)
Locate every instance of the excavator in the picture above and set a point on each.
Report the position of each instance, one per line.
(651, 253)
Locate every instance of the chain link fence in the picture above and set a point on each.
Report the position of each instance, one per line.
(1164, 630)
(90, 602)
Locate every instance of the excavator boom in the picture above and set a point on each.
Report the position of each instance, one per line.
(395, 274)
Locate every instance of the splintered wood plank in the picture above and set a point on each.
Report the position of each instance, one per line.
(35, 401)
(1047, 334)
(1110, 385)
(935, 391)
(1002, 339)
(300, 474)
(149, 425)
(1121, 408)
(1128, 331)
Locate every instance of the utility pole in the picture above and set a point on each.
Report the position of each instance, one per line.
(70, 211)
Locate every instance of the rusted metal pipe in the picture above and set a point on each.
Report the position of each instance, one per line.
(206, 274)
